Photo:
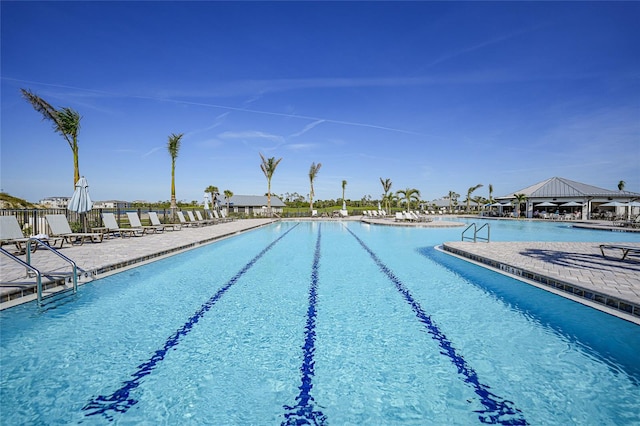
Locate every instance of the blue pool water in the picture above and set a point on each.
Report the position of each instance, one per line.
(322, 323)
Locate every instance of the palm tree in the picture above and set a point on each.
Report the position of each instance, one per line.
(228, 194)
(473, 188)
(520, 198)
(66, 121)
(409, 194)
(313, 172)
(386, 187)
(212, 190)
(490, 193)
(479, 199)
(621, 185)
(174, 146)
(344, 185)
(453, 197)
(268, 167)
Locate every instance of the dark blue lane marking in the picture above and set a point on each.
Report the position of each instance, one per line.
(498, 410)
(119, 401)
(303, 413)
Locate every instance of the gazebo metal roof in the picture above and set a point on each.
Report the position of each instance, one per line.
(557, 187)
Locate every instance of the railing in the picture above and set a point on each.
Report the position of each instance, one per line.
(40, 243)
(476, 230)
(28, 268)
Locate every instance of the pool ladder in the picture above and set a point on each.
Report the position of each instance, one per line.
(476, 230)
(38, 274)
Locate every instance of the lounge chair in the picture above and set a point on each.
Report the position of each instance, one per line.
(155, 221)
(203, 220)
(185, 222)
(625, 250)
(223, 213)
(10, 233)
(134, 221)
(399, 217)
(221, 219)
(196, 222)
(112, 227)
(60, 229)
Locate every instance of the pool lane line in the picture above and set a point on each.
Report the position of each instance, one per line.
(303, 412)
(120, 401)
(497, 410)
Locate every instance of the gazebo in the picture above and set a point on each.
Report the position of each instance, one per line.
(561, 193)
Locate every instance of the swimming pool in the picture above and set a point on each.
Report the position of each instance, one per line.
(321, 322)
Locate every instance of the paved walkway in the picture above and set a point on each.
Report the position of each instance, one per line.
(574, 270)
(96, 260)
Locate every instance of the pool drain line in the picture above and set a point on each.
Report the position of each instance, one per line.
(497, 410)
(120, 401)
(303, 412)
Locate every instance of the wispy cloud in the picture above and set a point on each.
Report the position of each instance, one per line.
(307, 128)
(148, 153)
(251, 134)
(300, 146)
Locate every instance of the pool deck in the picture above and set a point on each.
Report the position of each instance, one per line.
(97, 260)
(577, 271)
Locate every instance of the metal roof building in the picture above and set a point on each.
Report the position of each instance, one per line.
(560, 190)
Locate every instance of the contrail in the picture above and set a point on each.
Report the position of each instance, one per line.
(226, 107)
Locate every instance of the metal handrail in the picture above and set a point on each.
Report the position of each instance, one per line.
(28, 267)
(488, 233)
(62, 256)
(475, 232)
(473, 225)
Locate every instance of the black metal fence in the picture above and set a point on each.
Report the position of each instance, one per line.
(33, 222)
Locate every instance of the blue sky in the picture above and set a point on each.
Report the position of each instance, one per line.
(436, 96)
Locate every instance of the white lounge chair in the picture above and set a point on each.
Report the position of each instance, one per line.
(134, 221)
(203, 220)
(155, 221)
(185, 222)
(110, 223)
(60, 228)
(223, 213)
(10, 233)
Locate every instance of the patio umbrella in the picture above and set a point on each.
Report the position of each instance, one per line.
(614, 204)
(546, 204)
(80, 201)
(206, 202)
(571, 204)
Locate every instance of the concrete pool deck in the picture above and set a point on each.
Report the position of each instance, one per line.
(577, 271)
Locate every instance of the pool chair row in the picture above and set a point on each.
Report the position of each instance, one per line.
(198, 220)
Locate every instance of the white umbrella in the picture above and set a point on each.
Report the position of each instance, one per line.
(206, 202)
(614, 204)
(633, 204)
(80, 201)
(571, 204)
(546, 204)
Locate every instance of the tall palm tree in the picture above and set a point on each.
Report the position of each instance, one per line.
(313, 172)
(66, 121)
(212, 190)
(473, 188)
(520, 198)
(453, 197)
(621, 185)
(344, 185)
(409, 194)
(268, 167)
(174, 147)
(490, 193)
(228, 194)
(386, 187)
